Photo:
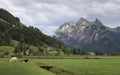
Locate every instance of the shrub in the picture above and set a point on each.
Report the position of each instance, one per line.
(17, 55)
(6, 53)
(87, 58)
(1, 56)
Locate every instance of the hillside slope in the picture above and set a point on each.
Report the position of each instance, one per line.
(12, 29)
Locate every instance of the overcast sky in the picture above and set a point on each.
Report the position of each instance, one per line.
(48, 15)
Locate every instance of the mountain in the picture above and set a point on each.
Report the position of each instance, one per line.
(90, 36)
(12, 29)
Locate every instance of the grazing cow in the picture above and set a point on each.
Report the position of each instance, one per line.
(25, 60)
(13, 59)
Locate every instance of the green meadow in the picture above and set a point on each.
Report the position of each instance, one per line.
(19, 68)
(63, 66)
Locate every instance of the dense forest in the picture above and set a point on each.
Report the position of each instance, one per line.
(12, 29)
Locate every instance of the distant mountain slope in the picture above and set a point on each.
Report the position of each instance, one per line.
(12, 29)
(90, 36)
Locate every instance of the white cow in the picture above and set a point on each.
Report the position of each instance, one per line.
(13, 59)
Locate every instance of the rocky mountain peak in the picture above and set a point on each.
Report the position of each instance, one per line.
(97, 21)
(117, 29)
(66, 27)
(69, 23)
(91, 36)
(82, 21)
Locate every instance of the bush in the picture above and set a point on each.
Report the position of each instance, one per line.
(1, 56)
(17, 55)
(6, 53)
(87, 58)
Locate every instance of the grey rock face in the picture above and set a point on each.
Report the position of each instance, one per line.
(90, 36)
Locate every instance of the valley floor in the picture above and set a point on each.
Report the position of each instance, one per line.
(75, 65)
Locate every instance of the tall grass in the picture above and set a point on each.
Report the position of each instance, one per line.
(107, 66)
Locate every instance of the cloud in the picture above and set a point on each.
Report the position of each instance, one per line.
(48, 15)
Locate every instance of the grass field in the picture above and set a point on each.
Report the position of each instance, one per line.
(18, 68)
(72, 66)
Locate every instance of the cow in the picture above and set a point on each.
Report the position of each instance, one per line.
(25, 60)
(13, 59)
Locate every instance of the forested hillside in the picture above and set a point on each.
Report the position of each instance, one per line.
(12, 30)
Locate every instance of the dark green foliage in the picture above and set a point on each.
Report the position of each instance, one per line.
(1, 55)
(17, 55)
(16, 50)
(99, 53)
(41, 50)
(6, 53)
(12, 29)
(114, 54)
(77, 51)
(8, 17)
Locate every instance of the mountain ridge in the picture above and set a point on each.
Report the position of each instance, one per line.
(90, 36)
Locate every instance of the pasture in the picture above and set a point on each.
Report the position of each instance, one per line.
(67, 66)
(18, 68)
